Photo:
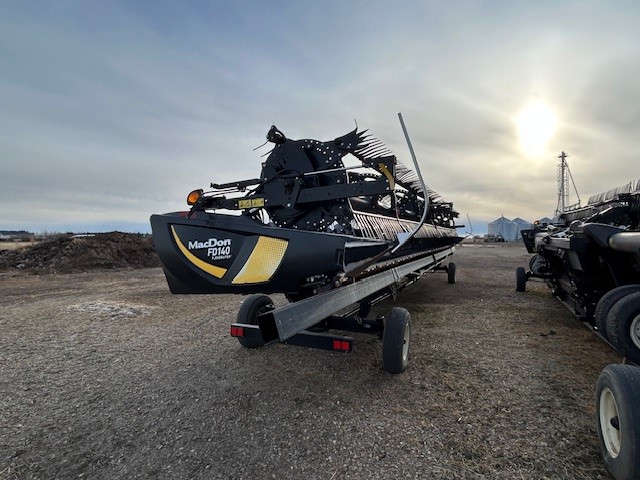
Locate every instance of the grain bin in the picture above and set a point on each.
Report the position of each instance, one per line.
(503, 226)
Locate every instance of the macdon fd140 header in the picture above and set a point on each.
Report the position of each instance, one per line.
(338, 222)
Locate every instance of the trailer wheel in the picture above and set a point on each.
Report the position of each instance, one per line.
(623, 326)
(521, 279)
(606, 303)
(451, 273)
(618, 420)
(395, 341)
(538, 264)
(532, 262)
(253, 306)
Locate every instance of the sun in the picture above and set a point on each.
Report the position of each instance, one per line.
(536, 126)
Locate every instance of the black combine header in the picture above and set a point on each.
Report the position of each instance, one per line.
(333, 225)
(590, 259)
(587, 257)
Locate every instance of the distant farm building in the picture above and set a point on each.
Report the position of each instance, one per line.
(521, 225)
(503, 227)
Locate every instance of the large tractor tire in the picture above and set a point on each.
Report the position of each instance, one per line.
(623, 326)
(606, 303)
(618, 420)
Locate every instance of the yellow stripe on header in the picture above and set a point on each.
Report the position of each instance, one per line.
(217, 272)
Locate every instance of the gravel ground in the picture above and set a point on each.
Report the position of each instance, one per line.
(108, 375)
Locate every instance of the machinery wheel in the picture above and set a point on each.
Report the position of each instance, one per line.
(606, 303)
(395, 341)
(623, 326)
(451, 273)
(538, 264)
(253, 306)
(521, 279)
(364, 308)
(618, 420)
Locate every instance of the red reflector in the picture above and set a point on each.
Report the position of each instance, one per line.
(342, 346)
(237, 332)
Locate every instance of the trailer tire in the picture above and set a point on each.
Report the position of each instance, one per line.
(532, 262)
(538, 265)
(253, 306)
(451, 273)
(396, 339)
(618, 420)
(606, 303)
(623, 326)
(521, 279)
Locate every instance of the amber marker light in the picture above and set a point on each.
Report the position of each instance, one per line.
(193, 197)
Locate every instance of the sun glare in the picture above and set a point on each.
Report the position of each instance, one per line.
(536, 125)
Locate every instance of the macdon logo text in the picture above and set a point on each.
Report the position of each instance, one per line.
(216, 249)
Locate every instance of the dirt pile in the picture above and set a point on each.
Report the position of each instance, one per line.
(81, 253)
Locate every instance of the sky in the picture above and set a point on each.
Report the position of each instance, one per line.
(111, 111)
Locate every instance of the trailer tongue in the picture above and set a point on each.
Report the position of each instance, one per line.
(329, 224)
